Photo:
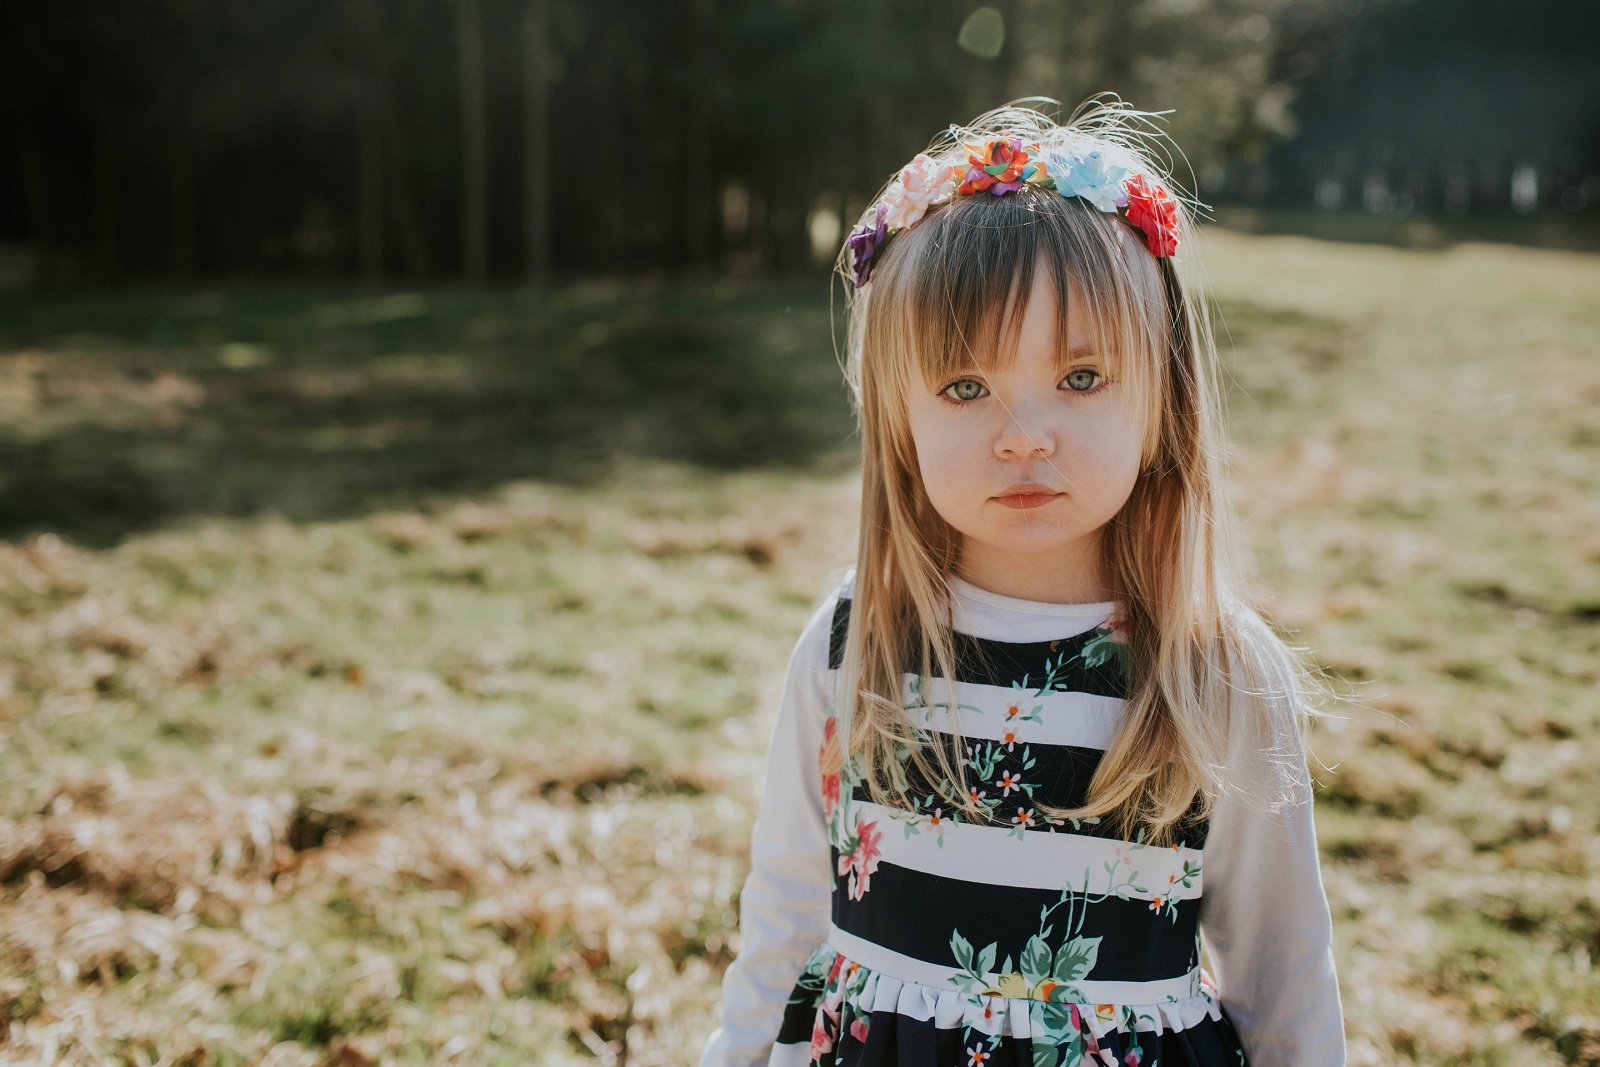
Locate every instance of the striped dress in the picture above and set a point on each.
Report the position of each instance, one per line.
(921, 936)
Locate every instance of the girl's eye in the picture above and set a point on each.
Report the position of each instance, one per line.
(1082, 380)
(965, 389)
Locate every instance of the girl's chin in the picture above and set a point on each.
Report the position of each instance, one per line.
(1022, 541)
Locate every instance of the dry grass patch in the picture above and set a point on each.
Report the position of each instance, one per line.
(472, 781)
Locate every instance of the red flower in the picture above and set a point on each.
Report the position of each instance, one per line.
(1000, 166)
(829, 762)
(858, 1030)
(1152, 209)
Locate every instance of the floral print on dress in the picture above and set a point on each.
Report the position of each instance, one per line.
(1065, 1034)
(859, 859)
(830, 762)
(1018, 976)
(1108, 644)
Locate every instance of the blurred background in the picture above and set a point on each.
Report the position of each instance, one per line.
(515, 139)
(421, 441)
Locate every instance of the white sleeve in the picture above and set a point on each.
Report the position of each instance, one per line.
(785, 906)
(1265, 920)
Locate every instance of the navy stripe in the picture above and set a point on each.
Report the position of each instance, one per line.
(1006, 664)
(1139, 945)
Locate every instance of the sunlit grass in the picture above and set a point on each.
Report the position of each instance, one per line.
(401, 774)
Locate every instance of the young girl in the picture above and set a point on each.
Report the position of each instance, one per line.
(1037, 750)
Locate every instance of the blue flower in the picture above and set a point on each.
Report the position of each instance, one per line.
(1082, 170)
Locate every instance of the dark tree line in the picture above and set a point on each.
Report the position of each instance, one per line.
(485, 139)
(1442, 105)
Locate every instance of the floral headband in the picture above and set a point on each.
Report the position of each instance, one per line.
(1082, 167)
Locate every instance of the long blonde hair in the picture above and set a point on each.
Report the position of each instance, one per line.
(1213, 692)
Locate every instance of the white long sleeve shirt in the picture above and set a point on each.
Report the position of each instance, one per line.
(1262, 914)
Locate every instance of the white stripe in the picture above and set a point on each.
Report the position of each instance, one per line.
(887, 962)
(1018, 716)
(992, 855)
(795, 1055)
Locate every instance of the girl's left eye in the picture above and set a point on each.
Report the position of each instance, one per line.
(965, 389)
(1081, 380)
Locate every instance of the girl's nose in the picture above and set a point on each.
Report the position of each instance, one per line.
(1024, 437)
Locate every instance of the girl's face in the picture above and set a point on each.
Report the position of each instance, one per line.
(1028, 461)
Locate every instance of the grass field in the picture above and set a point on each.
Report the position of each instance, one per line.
(385, 677)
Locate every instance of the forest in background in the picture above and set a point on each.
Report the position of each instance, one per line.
(509, 139)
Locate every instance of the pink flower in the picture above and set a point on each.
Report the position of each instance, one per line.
(858, 1030)
(821, 1043)
(1009, 739)
(1023, 818)
(976, 1056)
(860, 862)
(923, 183)
(1008, 782)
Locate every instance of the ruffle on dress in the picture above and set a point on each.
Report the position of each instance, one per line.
(842, 1013)
(1013, 1017)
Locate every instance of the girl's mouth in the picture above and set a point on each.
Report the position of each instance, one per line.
(1022, 497)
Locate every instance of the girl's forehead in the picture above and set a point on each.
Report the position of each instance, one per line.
(1034, 325)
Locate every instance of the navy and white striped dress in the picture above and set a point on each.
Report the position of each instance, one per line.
(920, 936)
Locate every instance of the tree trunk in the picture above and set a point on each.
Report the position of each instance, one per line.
(413, 244)
(185, 213)
(474, 143)
(536, 147)
(698, 194)
(369, 191)
(104, 177)
(369, 100)
(41, 229)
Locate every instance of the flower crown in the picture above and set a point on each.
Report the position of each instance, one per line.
(1100, 172)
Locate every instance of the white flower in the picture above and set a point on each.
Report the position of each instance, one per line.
(923, 183)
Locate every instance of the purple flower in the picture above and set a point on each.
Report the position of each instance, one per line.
(863, 244)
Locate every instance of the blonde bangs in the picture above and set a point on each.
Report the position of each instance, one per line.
(951, 293)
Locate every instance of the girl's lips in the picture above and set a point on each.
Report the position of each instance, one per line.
(1027, 496)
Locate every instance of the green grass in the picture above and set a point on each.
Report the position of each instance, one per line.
(399, 687)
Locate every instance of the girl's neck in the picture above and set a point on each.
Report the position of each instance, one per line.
(1075, 575)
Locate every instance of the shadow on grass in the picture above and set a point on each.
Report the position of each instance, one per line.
(127, 409)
